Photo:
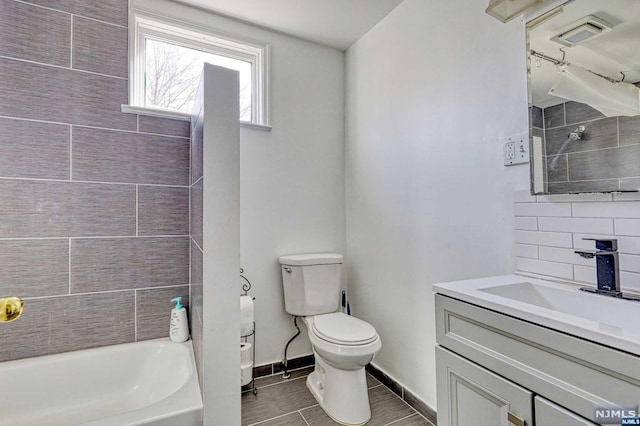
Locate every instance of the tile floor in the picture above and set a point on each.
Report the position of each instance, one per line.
(289, 403)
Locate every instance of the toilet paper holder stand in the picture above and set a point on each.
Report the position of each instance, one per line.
(246, 286)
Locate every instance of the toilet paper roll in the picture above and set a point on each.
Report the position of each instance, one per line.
(246, 354)
(246, 315)
(246, 374)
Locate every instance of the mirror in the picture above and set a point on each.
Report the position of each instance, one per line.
(584, 97)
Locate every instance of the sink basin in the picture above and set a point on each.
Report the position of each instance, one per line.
(560, 306)
(603, 309)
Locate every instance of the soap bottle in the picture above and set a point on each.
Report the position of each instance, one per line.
(178, 326)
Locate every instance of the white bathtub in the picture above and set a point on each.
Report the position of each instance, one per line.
(146, 383)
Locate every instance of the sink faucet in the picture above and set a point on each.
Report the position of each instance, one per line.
(607, 266)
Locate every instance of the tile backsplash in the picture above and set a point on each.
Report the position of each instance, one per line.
(548, 228)
(94, 217)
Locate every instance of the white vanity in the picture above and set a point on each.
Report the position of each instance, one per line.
(519, 350)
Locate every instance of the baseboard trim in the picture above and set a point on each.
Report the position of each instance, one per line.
(278, 367)
(405, 394)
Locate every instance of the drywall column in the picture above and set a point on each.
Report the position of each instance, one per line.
(221, 247)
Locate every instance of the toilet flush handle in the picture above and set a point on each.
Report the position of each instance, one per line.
(287, 270)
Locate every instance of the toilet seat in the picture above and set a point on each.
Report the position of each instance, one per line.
(342, 329)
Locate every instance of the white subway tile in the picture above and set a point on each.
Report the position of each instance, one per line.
(630, 263)
(625, 227)
(564, 255)
(552, 269)
(629, 281)
(584, 274)
(543, 209)
(523, 196)
(626, 245)
(526, 250)
(627, 196)
(572, 224)
(578, 198)
(579, 241)
(527, 223)
(554, 239)
(623, 209)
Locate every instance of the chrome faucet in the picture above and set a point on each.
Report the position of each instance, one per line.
(607, 266)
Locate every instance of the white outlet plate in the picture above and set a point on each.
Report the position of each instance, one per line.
(516, 149)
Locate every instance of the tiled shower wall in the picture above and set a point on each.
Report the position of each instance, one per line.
(550, 227)
(94, 203)
(606, 159)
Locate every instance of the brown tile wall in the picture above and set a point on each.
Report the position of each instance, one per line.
(94, 223)
(606, 159)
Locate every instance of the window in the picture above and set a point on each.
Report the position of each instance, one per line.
(166, 62)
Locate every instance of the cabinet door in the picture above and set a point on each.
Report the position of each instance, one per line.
(471, 395)
(550, 414)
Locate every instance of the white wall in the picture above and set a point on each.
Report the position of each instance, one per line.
(292, 181)
(291, 178)
(430, 92)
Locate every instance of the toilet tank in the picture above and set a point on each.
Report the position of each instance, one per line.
(311, 283)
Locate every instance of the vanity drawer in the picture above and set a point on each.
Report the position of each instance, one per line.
(550, 414)
(573, 372)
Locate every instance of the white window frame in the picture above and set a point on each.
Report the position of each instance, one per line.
(150, 25)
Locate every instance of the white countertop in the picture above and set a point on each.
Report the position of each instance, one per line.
(560, 306)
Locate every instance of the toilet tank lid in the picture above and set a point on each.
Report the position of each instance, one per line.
(311, 259)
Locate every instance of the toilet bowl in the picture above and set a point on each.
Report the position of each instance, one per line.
(343, 345)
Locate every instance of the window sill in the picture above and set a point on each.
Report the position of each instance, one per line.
(248, 125)
(156, 112)
(174, 115)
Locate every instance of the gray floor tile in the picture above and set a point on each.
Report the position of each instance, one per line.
(372, 381)
(315, 416)
(415, 420)
(273, 401)
(293, 419)
(385, 408)
(383, 378)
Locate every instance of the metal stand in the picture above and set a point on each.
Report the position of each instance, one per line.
(246, 287)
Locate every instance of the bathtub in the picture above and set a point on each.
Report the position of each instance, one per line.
(146, 383)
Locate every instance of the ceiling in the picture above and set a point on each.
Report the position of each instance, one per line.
(615, 51)
(335, 23)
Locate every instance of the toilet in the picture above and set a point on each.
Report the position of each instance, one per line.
(342, 344)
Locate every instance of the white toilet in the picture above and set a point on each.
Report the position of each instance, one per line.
(343, 345)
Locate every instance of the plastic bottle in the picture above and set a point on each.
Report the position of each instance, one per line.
(178, 326)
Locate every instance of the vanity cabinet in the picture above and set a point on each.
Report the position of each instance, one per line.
(497, 370)
(475, 396)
